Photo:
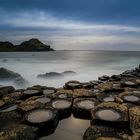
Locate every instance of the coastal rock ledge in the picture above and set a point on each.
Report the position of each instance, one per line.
(111, 105)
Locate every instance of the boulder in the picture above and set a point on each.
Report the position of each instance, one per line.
(9, 75)
(51, 75)
(69, 73)
(73, 85)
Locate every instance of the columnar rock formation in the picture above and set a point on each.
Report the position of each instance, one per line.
(112, 104)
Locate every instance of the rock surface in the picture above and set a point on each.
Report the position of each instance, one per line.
(9, 75)
(112, 106)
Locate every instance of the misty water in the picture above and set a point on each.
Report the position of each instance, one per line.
(87, 64)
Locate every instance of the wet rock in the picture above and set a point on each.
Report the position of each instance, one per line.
(73, 85)
(1, 103)
(130, 97)
(94, 82)
(118, 100)
(37, 87)
(29, 93)
(115, 78)
(9, 75)
(49, 90)
(46, 119)
(30, 105)
(83, 93)
(107, 112)
(8, 108)
(6, 74)
(9, 115)
(97, 132)
(82, 107)
(57, 75)
(43, 99)
(132, 84)
(104, 78)
(19, 132)
(134, 116)
(108, 97)
(69, 73)
(4, 90)
(51, 75)
(13, 97)
(63, 106)
(20, 81)
(62, 93)
(110, 87)
(87, 85)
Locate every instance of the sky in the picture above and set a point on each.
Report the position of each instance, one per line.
(73, 24)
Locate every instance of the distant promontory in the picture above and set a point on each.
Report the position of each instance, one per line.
(26, 46)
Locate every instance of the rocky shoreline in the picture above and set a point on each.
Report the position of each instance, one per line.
(112, 104)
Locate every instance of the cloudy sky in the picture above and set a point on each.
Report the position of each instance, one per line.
(73, 24)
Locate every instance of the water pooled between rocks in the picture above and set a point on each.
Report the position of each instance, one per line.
(60, 104)
(108, 99)
(131, 98)
(108, 114)
(39, 116)
(43, 100)
(48, 91)
(69, 129)
(87, 104)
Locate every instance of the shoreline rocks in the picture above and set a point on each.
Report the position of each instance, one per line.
(8, 75)
(112, 104)
(51, 75)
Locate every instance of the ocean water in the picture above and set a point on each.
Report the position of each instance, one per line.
(87, 64)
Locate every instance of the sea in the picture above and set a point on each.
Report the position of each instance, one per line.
(88, 65)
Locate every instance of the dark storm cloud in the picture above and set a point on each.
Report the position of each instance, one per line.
(73, 24)
(105, 11)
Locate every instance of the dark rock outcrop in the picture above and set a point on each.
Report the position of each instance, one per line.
(56, 74)
(33, 45)
(50, 75)
(9, 75)
(6, 46)
(27, 46)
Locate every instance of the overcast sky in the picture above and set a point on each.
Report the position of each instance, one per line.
(73, 24)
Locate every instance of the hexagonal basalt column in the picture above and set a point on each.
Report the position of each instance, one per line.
(82, 107)
(110, 113)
